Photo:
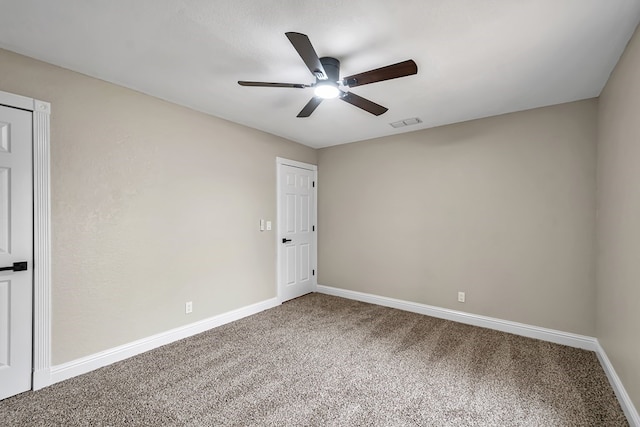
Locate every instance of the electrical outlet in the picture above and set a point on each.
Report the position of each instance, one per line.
(188, 307)
(461, 297)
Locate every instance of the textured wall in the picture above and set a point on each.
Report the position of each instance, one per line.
(502, 208)
(152, 205)
(618, 267)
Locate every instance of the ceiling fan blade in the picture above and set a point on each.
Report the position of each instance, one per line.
(303, 46)
(401, 69)
(310, 107)
(363, 103)
(267, 84)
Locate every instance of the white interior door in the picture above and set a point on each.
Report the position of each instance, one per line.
(16, 247)
(296, 230)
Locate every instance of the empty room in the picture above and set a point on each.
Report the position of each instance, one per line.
(279, 212)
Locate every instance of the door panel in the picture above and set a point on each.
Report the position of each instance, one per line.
(304, 262)
(305, 220)
(291, 265)
(5, 213)
(296, 222)
(290, 209)
(5, 313)
(16, 245)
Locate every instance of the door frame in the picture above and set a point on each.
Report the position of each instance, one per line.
(41, 310)
(280, 161)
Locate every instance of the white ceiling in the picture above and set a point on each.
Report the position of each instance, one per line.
(476, 58)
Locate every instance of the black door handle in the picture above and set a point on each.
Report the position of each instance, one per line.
(17, 266)
(285, 240)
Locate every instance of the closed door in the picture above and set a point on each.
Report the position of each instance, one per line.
(16, 248)
(296, 231)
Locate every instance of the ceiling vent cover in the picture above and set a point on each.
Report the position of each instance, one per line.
(406, 122)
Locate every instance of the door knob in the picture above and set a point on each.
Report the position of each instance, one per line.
(17, 266)
(285, 240)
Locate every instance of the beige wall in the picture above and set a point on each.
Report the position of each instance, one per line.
(153, 205)
(618, 267)
(502, 208)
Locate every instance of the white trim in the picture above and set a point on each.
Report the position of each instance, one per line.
(279, 162)
(621, 393)
(41, 112)
(16, 101)
(89, 363)
(295, 163)
(314, 259)
(551, 335)
(41, 246)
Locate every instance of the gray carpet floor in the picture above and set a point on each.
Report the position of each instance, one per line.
(326, 361)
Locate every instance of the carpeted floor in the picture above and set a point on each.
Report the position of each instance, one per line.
(322, 361)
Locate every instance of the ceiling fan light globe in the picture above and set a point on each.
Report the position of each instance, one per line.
(327, 91)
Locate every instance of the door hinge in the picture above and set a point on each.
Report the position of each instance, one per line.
(313, 228)
(314, 184)
(313, 272)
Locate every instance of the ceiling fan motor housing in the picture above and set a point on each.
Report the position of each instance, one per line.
(331, 68)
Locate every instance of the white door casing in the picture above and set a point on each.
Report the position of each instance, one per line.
(296, 233)
(16, 246)
(40, 267)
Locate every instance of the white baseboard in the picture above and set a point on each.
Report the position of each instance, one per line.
(89, 363)
(41, 379)
(551, 335)
(624, 399)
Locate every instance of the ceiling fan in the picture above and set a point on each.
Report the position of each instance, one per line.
(328, 84)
